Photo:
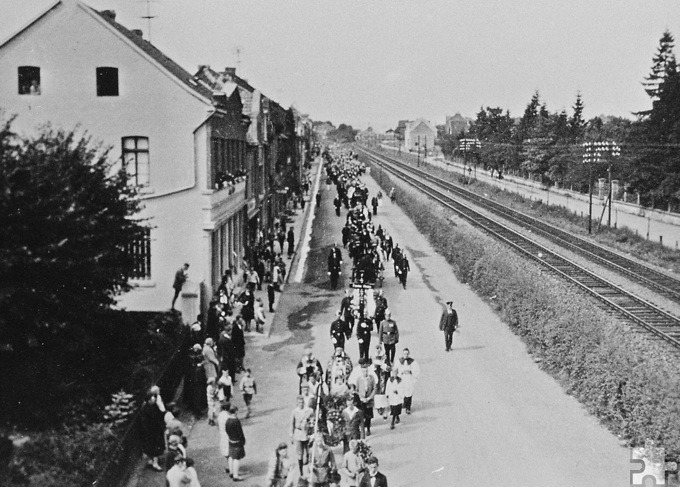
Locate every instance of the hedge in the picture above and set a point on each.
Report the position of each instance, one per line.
(628, 380)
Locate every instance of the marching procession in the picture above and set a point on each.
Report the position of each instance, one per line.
(337, 400)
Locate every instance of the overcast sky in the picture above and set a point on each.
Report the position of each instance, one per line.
(376, 62)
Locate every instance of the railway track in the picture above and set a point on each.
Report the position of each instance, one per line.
(612, 298)
(661, 283)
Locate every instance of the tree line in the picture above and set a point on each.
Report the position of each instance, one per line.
(549, 146)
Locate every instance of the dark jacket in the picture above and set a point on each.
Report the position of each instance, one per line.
(380, 480)
(448, 322)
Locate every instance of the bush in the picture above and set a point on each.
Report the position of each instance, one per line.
(68, 456)
(631, 383)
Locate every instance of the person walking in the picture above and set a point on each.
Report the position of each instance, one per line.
(374, 204)
(237, 442)
(152, 431)
(299, 436)
(279, 469)
(354, 424)
(373, 478)
(367, 387)
(448, 323)
(338, 332)
(404, 269)
(388, 334)
(364, 331)
(291, 242)
(248, 388)
(352, 467)
(337, 202)
(323, 463)
(408, 371)
(181, 277)
(334, 263)
(395, 397)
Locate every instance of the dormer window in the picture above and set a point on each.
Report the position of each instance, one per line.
(29, 80)
(107, 81)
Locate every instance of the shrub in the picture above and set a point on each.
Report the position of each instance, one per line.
(68, 456)
(631, 383)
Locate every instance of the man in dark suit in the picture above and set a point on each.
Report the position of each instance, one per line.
(334, 263)
(448, 323)
(180, 278)
(373, 478)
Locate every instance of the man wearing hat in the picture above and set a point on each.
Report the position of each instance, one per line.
(338, 332)
(448, 323)
(388, 334)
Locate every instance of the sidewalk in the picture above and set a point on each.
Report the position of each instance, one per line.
(203, 439)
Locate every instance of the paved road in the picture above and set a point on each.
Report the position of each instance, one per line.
(483, 414)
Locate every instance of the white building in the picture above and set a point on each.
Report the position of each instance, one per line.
(419, 133)
(73, 66)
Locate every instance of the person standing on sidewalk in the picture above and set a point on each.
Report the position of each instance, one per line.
(222, 433)
(448, 323)
(237, 442)
(388, 334)
(180, 278)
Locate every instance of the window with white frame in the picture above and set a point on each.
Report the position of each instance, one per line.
(140, 251)
(136, 159)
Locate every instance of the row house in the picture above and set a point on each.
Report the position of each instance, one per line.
(188, 146)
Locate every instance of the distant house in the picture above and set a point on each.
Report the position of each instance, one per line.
(183, 142)
(419, 135)
(456, 125)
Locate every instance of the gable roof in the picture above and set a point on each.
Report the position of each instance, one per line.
(421, 121)
(175, 69)
(149, 49)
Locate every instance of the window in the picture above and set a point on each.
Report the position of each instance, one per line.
(107, 81)
(29, 80)
(140, 251)
(136, 159)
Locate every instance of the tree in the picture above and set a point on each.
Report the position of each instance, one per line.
(67, 219)
(494, 129)
(576, 122)
(344, 133)
(663, 65)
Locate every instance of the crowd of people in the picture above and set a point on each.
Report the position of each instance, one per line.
(336, 404)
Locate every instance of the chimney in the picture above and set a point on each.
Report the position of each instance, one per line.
(109, 14)
(230, 71)
(137, 32)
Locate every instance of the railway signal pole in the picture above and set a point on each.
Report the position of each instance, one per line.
(594, 153)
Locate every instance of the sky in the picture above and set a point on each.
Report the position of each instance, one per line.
(375, 62)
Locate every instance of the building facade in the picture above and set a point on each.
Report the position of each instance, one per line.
(419, 135)
(185, 147)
